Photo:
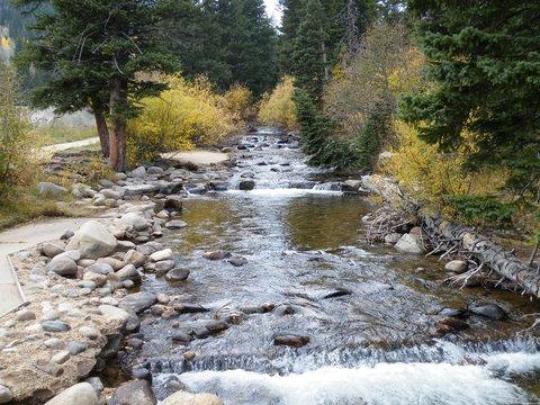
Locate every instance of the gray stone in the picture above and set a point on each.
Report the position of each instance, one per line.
(108, 193)
(125, 246)
(177, 275)
(54, 343)
(74, 255)
(238, 261)
(351, 185)
(139, 172)
(136, 392)
(49, 189)
(291, 340)
(409, 244)
(100, 268)
(246, 185)
(173, 203)
(165, 254)
(61, 357)
(50, 249)
(216, 255)
(5, 394)
(63, 266)
(176, 224)
(163, 266)
(74, 347)
(138, 302)
(55, 326)
(456, 266)
(490, 311)
(181, 338)
(79, 394)
(25, 315)
(392, 238)
(115, 315)
(128, 272)
(135, 220)
(134, 257)
(93, 240)
(82, 191)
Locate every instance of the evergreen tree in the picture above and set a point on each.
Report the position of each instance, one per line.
(484, 58)
(310, 54)
(96, 50)
(290, 21)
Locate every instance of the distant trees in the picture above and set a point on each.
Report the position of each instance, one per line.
(484, 58)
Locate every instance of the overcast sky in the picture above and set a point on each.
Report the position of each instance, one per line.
(273, 10)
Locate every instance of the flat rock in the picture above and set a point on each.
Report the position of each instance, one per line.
(79, 394)
(490, 311)
(177, 275)
(50, 249)
(138, 302)
(136, 392)
(175, 224)
(216, 255)
(55, 326)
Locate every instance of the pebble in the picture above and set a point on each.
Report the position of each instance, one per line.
(61, 357)
(175, 224)
(55, 326)
(54, 343)
(75, 347)
(25, 315)
(456, 266)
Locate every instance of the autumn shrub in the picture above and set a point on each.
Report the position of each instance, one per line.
(278, 107)
(185, 115)
(238, 101)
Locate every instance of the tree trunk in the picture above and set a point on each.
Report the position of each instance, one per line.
(103, 131)
(117, 139)
(325, 61)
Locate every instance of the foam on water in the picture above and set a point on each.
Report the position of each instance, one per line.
(285, 192)
(382, 384)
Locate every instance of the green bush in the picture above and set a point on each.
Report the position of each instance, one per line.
(482, 210)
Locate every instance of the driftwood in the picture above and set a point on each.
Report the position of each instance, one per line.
(448, 238)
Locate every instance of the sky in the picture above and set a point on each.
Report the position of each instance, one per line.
(273, 10)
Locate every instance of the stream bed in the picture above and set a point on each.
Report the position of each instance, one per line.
(368, 313)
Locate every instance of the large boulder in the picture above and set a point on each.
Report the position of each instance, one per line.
(186, 398)
(80, 394)
(48, 189)
(409, 244)
(136, 392)
(93, 240)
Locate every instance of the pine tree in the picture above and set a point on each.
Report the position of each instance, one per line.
(310, 54)
(293, 11)
(97, 50)
(484, 58)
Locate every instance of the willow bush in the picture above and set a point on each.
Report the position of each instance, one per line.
(278, 107)
(185, 115)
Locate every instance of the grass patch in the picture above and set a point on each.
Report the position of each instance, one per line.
(62, 134)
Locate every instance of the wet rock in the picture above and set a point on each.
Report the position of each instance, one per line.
(181, 338)
(163, 266)
(453, 312)
(93, 241)
(449, 325)
(339, 292)
(55, 326)
(189, 356)
(177, 275)
(409, 243)
(216, 255)
(351, 185)
(173, 204)
(137, 302)
(165, 254)
(163, 299)
(246, 185)
(190, 308)
(5, 394)
(176, 224)
(50, 249)
(63, 266)
(238, 261)
(49, 189)
(456, 266)
(186, 398)
(79, 394)
(291, 340)
(137, 392)
(260, 309)
(490, 311)
(215, 327)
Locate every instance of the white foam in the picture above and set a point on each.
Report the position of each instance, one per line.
(284, 192)
(511, 364)
(383, 384)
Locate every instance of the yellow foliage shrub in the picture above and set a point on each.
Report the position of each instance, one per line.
(186, 114)
(278, 108)
(430, 176)
(238, 100)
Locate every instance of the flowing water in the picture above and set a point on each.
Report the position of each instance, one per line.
(369, 312)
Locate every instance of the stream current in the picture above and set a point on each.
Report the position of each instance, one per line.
(369, 312)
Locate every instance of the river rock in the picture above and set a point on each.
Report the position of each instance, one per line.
(238, 261)
(115, 315)
(351, 185)
(55, 326)
(392, 238)
(134, 257)
(246, 185)
(63, 266)
(173, 203)
(50, 249)
(74, 347)
(176, 224)
(409, 243)
(163, 266)
(49, 189)
(112, 194)
(291, 340)
(25, 315)
(79, 394)
(177, 275)
(5, 394)
(138, 302)
(61, 357)
(490, 311)
(135, 220)
(160, 255)
(456, 266)
(136, 392)
(139, 172)
(186, 398)
(93, 241)
(216, 255)
(190, 308)
(128, 272)
(100, 268)
(181, 338)
(215, 327)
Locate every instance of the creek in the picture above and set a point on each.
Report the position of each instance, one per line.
(369, 312)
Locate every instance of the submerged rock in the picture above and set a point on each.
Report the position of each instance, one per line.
(177, 275)
(216, 255)
(291, 340)
(246, 185)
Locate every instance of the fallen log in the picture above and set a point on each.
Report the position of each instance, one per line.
(449, 238)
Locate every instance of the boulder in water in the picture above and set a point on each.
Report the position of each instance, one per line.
(490, 311)
(246, 185)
